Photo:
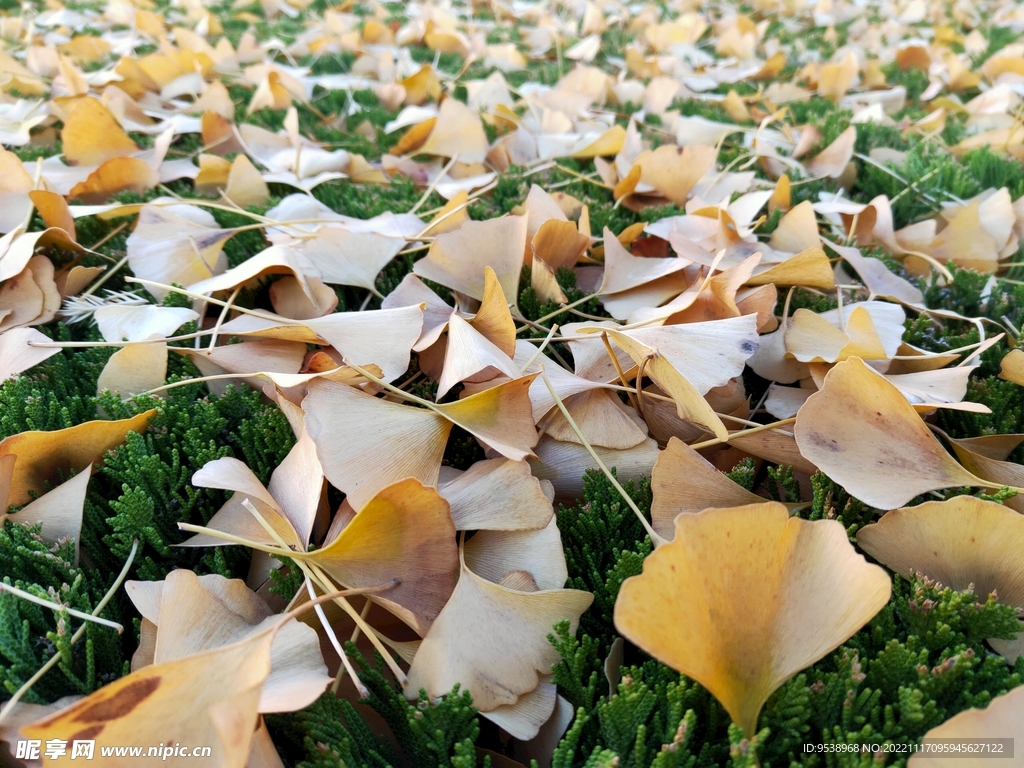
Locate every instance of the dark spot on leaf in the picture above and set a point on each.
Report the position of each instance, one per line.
(121, 703)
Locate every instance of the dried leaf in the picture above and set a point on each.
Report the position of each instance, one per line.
(861, 431)
(744, 598)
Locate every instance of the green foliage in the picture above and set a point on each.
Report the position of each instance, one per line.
(331, 733)
(31, 634)
(141, 492)
(532, 308)
(604, 545)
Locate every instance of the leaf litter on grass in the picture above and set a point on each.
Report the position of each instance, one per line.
(474, 251)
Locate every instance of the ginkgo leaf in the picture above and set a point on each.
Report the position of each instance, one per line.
(1003, 718)
(708, 354)
(602, 419)
(407, 441)
(1011, 367)
(674, 171)
(833, 159)
(42, 455)
(497, 495)
(683, 481)
(414, 292)
(59, 512)
(945, 386)
(960, 542)
(564, 383)
(545, 284)
(134, 369)
(230, 474)
(493, 318)
(404, 533)
(559, 243)
(458, 259)
(119, 174)
(18, 353)
(492, 640)
(176, 244)
(564, 464)
(275, 260)
(141, 321)
(289, 504)
(809, 268)
(690, 405)
(222, 687)
(623, 271)
(359, 336)
(245, 186)
(500, 416)
(400, 442)
(458, 131)
(470, 356)
(344, 257)
(15, 184)
(355, 335)
(744, 598)
(811, 338)
(977, 458)
(536, 552)
(860, 430)
(523, 720)
(193, 614)
(91, 135)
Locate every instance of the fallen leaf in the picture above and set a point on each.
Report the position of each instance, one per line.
(744, 598)
(42, 455)
(860, 430)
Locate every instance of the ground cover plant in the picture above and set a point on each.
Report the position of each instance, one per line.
(506, 383)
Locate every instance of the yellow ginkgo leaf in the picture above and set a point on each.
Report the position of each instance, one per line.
(1011, 367)
(59, 512)
(42, 455)
(405, 534)
(404, 441)
(860, 430)
(690, 405)
(493, 319)
(458, 259)
(623, 270)
(674, 171)
(683, 481)
(222, 688)
(1002, 719)
(176, 244)
(500, 416)
(960, 542)
(564, 464)
(244, 185)
(18, 353)
(134, 369)
(15, 187)
(603, 420)
(457, 131)
(119, 174)
(744, 598)
(976, 455)
(92, 135)
(833, 159)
